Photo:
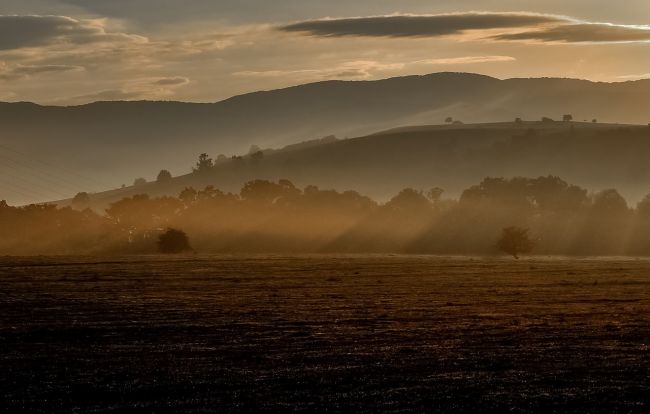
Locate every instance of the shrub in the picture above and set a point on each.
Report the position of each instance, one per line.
(173, 241)
(515, 241)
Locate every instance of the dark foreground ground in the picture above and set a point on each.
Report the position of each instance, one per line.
(389, 334)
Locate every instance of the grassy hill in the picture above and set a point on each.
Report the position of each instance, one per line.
(114, 142)
(453, 157)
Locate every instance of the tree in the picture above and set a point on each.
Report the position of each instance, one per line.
(81, 200)
(567, 118)
(173, 241)
(518, 121)
(515, 241)
(188, 195)
(164, 176)
(257, 157)
(434, 194)
(594, 121)
(204, 164)
(139, 181)
(546, 119)
(449, 120)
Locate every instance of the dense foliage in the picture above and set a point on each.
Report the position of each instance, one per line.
(278, 217)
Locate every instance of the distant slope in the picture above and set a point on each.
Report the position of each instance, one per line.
(595, 156)
(117, 141)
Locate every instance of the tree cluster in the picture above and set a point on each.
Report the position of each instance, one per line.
(496, 214)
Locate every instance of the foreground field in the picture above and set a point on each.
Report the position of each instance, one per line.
(373, 333)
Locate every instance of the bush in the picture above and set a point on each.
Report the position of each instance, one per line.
(515, 241)
(164, 176)
(173, 241)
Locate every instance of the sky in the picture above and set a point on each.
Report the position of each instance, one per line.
(69, 52)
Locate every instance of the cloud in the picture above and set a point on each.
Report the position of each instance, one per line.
(419, 25)
(32, 31)
(134, 90)
(583, 33)
(26, 71)
(641, 76)
(108, 95)
(352, 69)
(366, 69)
(173, 81)
(466, 60)
(516, 26)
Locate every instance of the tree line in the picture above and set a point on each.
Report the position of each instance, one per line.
(554, 216)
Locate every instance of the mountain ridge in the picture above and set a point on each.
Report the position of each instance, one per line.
(117, 141)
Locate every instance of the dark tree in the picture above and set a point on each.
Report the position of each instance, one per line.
(257, 157)
(188, 195)
(139, 182)
(164, 176)
(546, 119)
(204, 164)
(434, 194)
(173, 241)
(567, 118)
(81, 200)
(518, 121)
(449, 120)
(515, 241)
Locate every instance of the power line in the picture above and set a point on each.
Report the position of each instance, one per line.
(33, 184)
(43, 176)
(22, 191)
(48, 164)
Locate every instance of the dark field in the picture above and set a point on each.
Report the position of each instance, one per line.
(337, 334)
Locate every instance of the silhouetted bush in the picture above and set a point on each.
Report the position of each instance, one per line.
(203, 165)
(515, 241)
(164, 176)
(173, 241)
(81, 200)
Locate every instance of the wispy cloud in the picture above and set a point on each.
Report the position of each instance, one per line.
(409, 25)
(31, 31)
(173, 81)
(365, 69)
(137, 89)
(26, 71)
(516, 26)
(466, 60)
(583, 33)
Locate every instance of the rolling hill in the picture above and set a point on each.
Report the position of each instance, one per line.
(453, 157)
(114, 142)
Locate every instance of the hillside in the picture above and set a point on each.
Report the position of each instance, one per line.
(595, 156)
(114, 142)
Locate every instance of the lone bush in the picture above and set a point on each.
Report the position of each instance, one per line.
(173, 241)
(515, 241)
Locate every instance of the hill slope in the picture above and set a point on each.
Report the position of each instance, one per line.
(115, 142)
(595, 156)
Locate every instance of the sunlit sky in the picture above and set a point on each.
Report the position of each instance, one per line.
(76, 51)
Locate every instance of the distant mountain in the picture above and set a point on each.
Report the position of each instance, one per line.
(115, 142)
(453, 157)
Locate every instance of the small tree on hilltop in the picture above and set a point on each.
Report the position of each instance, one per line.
(567, 118)
(139, 181)
(515, 241)
(204, 164)
(449, 120)
(81, 200)
(173, 241)
(164, 176)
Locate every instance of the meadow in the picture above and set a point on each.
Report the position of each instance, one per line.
(388, 333)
